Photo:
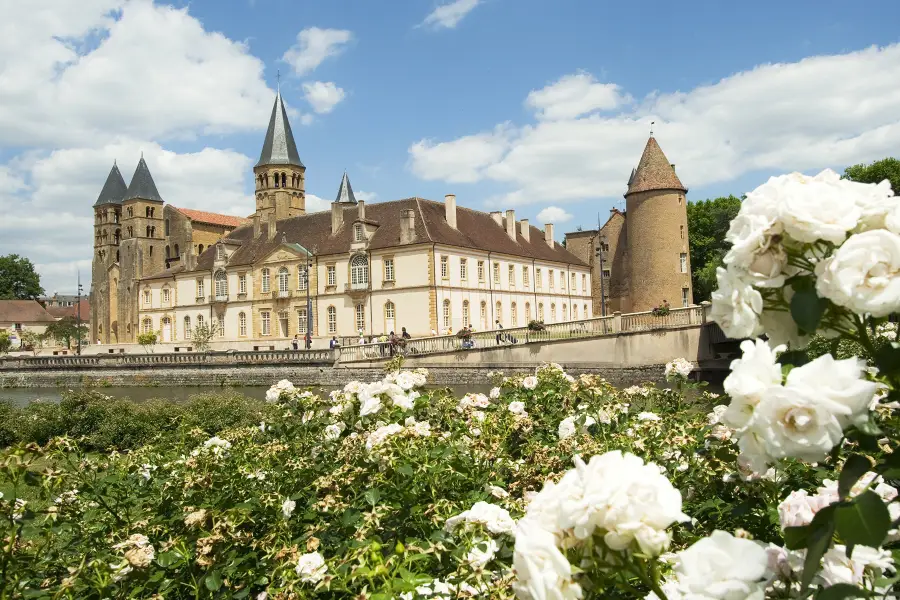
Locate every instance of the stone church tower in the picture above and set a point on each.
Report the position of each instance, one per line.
(280, 176)
(657, 237)
(105, 267)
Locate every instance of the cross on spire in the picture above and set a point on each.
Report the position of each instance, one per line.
(651, 127)
(278, 79)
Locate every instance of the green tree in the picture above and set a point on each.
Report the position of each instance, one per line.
(708, 221)
(5, 342)
(203, 334)
(66, 330)
(878, 171)
(18, 279)
(32, 340)
(148, 340)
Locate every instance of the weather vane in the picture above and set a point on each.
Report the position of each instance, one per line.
(651, 127)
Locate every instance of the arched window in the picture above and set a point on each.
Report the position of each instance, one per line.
(283, 180)
(116, 236)
(200, 249)
(148, 231)
(540, 314)
(552, 312)
(358, 232)
(390, 313)
(264, 280)
(446, 314)
(527, 312)
(151, 250)
(148, 211)
(117, 256)
(360, 317)
(167, 228)
(586, 312)
(359, 271)
(167, 252)
(574, 312)
(514, 315)
(130, 211)
(332, 319)
(277, 180)
(565, 313)
(187, 328)
(283, 278)
(177, 254)
(465, 313)
(242, 324)
(221, 285)
(498, 313)
(484, 317)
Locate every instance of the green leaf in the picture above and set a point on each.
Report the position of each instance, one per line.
(372, 496)
(855, 467)
(796, 538)
(863, 521)
(839, 591)
(213, 581)
(405, 469)
(241, 594)
(817, 544)
(807, 309)
(164, 559)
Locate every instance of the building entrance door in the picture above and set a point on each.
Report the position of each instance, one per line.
(283, 323)
(166, 329)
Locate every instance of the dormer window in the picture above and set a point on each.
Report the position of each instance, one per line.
(358, 232)
(220, 252)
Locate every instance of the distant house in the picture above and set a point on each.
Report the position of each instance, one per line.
(17, 316)
(60, 311)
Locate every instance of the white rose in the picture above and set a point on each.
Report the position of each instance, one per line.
(863, 274)
(757, 250)
(566, 428)
(333, 432)
(482, 552)
(875, 200)
(722, 566)
(736, 305)
(542, 571)
(495, 518)
(837, 568)
(799, 508)
(751, 377)
(369, 404)
(648, 416)
(495, 393)
(311, 567)
(287, 508)
(838, 384)
(816, 208)
(679, 367)
(517, 407)
(530, 382)
(715, 417)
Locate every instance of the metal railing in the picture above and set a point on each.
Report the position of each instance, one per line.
(614, 324)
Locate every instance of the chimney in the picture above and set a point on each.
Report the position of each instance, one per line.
(272, 229)
(497, 216)
(548, 234)
(511, 224)
(337, 217)
(525, 229)
(407, 226)
(450, 209)
(257, 229)
(362, 210)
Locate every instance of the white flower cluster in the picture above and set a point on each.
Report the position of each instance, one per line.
(800, 507)
(788, 214)
(679, 368)
(494, 518)
(803, 416)
(627, 503)
(139, 553)
(569, 426)
(311, 568)
(381, 434)
(395, 387)
(283, 388)
(530, 382)
(472, 401)
(215, 446)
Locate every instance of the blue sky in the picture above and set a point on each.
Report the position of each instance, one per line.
(521, 104)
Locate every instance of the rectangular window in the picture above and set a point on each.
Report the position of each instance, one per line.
(480, 270)
(358, 232)
(221, 329)
(301, 320)
(242, 325)
(583, 283)
(389, 269)
(463, 269)
(302, 277)
(606, 273)
(540, 315)
(573, 283)
(682, 231)
(242, 283)
(497, 273)
(265, 318)
(514, 315)
(147, 297)
(332, 275)
(446, 314)
(683, 260)
(512, 276)
(525, 281)
(550, 277)
(537, 279)
(445, 269)
(165, 296)
(562, 281)
(360, 317)
(266, 282)
(684, 297)
(332, 320)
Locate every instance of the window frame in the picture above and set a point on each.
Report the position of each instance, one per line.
(265, 323)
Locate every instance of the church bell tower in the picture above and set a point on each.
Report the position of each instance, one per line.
(280, 176)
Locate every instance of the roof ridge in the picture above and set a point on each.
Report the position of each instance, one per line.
(424, 220)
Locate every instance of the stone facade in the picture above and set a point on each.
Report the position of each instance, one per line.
(645, 251)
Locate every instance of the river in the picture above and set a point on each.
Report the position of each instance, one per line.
(23, 396)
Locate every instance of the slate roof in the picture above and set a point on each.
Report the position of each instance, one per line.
(476, 230)
(201, 216)
(345, 192)
(279, 147)
(24, 311)
(142, 185)
(653, 172)
(114, 189)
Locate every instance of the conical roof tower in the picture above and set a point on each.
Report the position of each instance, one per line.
(654, 172)
(142, 185)
(114, 189)
(345, 192)
(279, 147)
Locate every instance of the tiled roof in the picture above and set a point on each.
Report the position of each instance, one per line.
(475, 229)
(201, 216)
(71, 311)
(654, 172)
(23, 311)
(114, 189)
(142, 185)
(279, 147)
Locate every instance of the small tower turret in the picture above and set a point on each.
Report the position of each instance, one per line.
(345, 191)
(656, 222)
(279, 174)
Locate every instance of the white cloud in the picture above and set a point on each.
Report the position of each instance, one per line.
(818, 112)
(365, 196)
(313, 46)
(575, 95)
(316, 204)
(449, 15)
(323, 96)
(554, 214)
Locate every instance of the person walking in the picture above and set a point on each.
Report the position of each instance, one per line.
(498, 327)
(308, 341)
(405, 334)
(334, 343)
(295, 343)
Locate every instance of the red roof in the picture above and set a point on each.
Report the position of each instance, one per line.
(201, 216)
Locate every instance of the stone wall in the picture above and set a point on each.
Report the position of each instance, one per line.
(448, 374)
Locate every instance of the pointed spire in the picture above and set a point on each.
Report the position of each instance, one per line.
(114, 189)
(654, 172)
(279, 147)
(345, 192)
(142, 185)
